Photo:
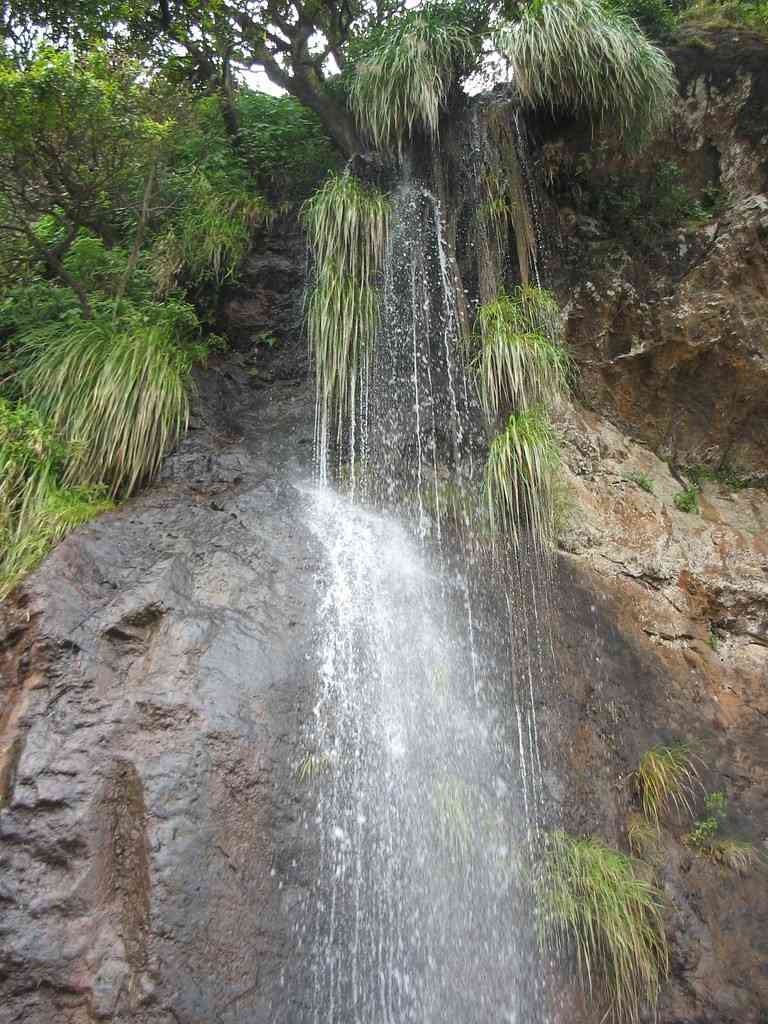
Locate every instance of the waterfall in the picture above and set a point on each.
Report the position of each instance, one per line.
(423, 750)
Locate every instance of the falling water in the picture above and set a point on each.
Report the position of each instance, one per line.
(423, 746)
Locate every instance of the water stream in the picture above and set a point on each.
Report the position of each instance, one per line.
(423, 746)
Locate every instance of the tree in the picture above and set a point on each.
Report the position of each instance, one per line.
(300, 45)
(77, 149)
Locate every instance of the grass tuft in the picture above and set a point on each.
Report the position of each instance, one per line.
(581, 57)
(35, 509)
(641, 836)
(665, 778)
(519, 475)
(404, 82)
(521, 359)
(116, 393)
(592, 901)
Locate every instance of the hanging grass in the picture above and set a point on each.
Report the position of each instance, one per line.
(665, 778)
(519, 473)
(579, 56)
(116, 392)
(403, 83)
(346, 225)
(592, 901)
(521, 360)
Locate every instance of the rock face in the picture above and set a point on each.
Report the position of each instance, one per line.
(673, 616)
(672, 339)
(156, 853)
(155, 673)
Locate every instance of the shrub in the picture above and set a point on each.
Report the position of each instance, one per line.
(519, 473)
(579, 57)
(403, 82)
(521, 359)
(284, 145)
(664, 778)
(592, 900)
(115, 389)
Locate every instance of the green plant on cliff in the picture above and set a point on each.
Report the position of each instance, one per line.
(521, 358)
(519, 475)
(36, 509)
(687, 500)
(115, 388)
(665, 778)
(347, 228)
(580, 57)
(403, 82)
(706, 837)
(592, 902)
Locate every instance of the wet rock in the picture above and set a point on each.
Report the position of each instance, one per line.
(150, 729)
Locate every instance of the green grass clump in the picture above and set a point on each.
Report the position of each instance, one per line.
(347, 228)
(403, 83)
(641, 836)
(581, 57)
(521, 359)
(642, 480)
(210, 235)
(519, 474)
(687, 500)
(115, 390)
(664, 778)
(592, 901)
(36, 510)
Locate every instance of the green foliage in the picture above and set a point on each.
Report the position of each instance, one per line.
(519, 474)
(582, 58)
(115, 389)
(521, 358)
(665, 778)
(284, 145)
(347, 227)
(637, 205)
(713, 639)
(35, 509)
(706, 839)
(750, 14)
(210, 234)
(76, 136)
(403, 82)
(687, 500)
(592, 900)
(657, 18)
(642, 480)
(725, 475)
